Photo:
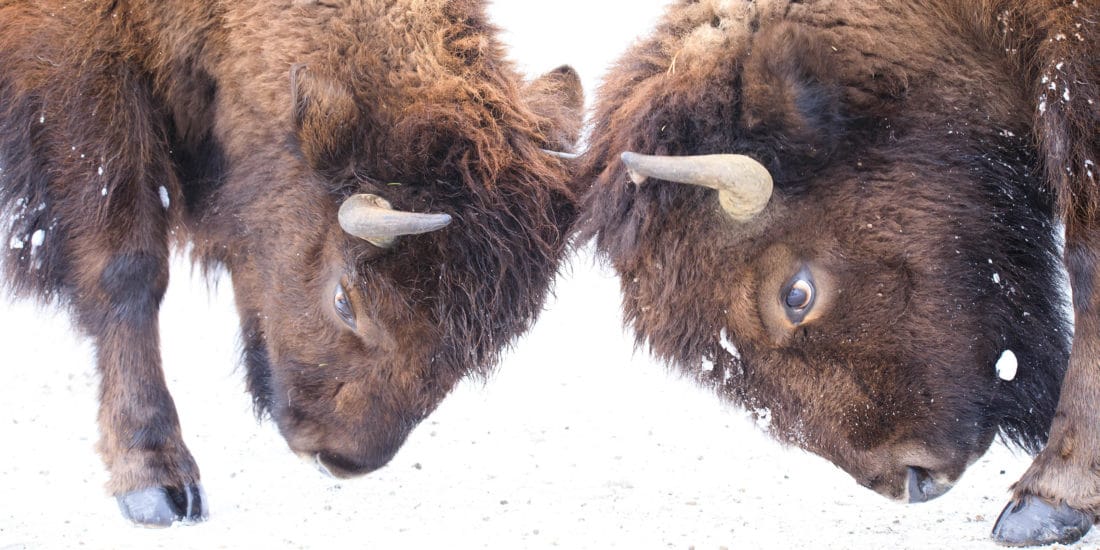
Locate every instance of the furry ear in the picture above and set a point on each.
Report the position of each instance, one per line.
(326, 119)
(790, 92)
(558, 97)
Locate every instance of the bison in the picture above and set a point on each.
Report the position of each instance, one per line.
(374, 176)
(844, 216)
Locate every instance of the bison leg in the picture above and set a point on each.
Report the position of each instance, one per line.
(84, 137)
(1058, 499)
(153, 476)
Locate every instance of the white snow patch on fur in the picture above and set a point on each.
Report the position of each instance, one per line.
(1007, 366)
(724, 340)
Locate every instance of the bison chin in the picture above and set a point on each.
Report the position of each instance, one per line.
(914, 474)
(340, 467)
(342, 428)
(342, 452)
(904, 467)
(913, 484)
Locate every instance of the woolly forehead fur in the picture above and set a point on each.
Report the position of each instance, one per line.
(412, 39)
(722, 24)
(389, 57)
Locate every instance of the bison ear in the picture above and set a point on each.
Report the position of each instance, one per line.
(558, 97)
(791, 92)
(326, 119)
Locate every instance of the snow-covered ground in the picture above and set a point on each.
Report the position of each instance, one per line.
(576, 442)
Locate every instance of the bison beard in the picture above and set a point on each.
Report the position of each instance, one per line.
(240, 129)
(922, 154)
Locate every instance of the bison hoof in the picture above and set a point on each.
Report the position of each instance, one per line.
(162, 506)
(1033, 521)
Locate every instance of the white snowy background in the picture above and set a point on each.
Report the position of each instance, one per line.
(578, 441)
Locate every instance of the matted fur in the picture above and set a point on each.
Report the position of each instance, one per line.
(240, 127)
(922, 153)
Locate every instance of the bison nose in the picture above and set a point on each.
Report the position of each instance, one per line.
(922, 486)
(341, 467)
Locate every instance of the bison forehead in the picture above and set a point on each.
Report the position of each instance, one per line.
(383, 51)
(716, 27)
(703, 28)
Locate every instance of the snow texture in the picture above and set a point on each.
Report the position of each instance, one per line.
(589, 445)
(763, 417)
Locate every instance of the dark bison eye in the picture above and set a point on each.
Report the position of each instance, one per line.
(798, 296)
(343, 306)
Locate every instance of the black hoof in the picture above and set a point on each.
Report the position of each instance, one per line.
(162, 506)
(1036, 522)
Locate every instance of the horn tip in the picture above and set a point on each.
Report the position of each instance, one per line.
(630, 160)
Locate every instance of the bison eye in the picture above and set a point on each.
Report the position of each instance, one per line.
(798, 296)
(343, 306)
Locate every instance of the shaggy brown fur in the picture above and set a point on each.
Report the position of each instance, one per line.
(239, 127)
(922, 153)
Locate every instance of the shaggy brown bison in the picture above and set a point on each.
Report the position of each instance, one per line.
(868, 230)
(373, 175)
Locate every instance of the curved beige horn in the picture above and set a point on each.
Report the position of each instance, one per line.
(374, 220)
(744, 185)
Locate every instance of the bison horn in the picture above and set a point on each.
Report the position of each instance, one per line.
(744, 185)
(374, 220)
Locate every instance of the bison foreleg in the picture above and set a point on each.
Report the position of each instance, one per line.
(1058, 499)
(86, 149)
(153, 476)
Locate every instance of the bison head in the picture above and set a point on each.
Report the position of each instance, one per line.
(871, 238)
(399, 215)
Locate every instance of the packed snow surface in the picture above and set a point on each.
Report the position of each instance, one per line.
(576, 442)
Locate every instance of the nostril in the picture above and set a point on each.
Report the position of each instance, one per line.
(340, 467)
(321, 467)
(922, 486)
